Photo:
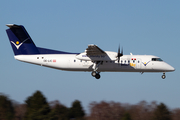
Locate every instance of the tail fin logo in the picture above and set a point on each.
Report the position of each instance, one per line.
(17, 45)
(17, 42)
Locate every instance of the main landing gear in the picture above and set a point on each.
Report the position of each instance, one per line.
(95, 74)
(95, 68)
(163, 76)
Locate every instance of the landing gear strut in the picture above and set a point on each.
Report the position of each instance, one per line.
(163, 76)
(95, 68)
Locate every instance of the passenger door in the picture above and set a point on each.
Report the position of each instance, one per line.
(138, 63)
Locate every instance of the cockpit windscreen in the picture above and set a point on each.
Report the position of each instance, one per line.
(157, 59)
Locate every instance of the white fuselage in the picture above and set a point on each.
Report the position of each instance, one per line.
(75, 62)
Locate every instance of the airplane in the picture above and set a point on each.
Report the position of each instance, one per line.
(93, 59)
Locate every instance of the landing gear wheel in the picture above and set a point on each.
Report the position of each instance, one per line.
(97, 76)
(163, 76)
(93, 73)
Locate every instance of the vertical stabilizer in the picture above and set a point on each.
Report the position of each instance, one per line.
(20, 40)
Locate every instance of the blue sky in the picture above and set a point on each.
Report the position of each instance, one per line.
(141, 27)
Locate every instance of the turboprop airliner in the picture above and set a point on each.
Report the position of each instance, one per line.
(93, 59)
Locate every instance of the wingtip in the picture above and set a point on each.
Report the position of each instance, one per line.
(92, 45)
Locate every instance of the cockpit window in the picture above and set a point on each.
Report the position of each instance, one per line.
(157, 59)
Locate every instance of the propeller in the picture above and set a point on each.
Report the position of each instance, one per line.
(119, 54)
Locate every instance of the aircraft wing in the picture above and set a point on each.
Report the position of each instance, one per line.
(94, 53)
(94, 50)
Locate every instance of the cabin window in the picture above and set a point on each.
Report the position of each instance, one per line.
(128, 61)
(74, 60)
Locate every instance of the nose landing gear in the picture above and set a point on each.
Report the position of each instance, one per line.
(163, 76)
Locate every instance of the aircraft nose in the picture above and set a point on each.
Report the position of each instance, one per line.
(170, 68)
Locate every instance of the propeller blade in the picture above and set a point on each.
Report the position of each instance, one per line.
(122, 52)
(119, 50)
(119, 54)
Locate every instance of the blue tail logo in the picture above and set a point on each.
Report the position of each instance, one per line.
(17, 45)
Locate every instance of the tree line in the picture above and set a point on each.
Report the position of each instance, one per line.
(36, 107)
